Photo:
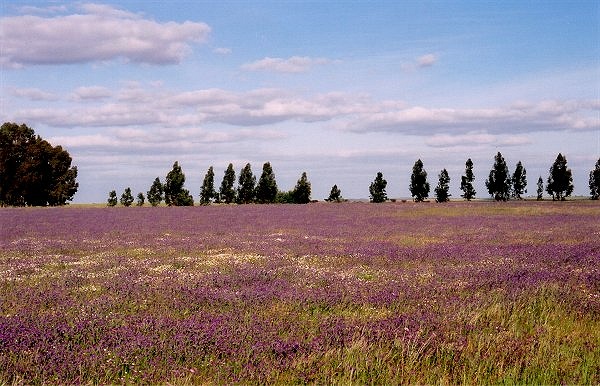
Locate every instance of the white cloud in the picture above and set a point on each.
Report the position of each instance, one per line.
(31, 40)
(33, 94)
(222, 51)
(476, 139)
(295, 64)
(427, 60)
(91, 93)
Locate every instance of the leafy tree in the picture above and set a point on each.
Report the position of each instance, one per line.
(112, 198)
(519, 181)
(302, 190)
(226, 192)
(442, 189)
(595, 181)
(466, 183)
(140, 199)
(499, 181)
(155, 194)
(419, 187)
(377, 189)
(335, 195)
(32, 171)
(560, 179)
(207, 192)
(246, 185)
(266, 190)
(285, 197)
(540, 189)
(175, 193)
(126, 197)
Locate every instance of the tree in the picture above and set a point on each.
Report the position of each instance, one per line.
(540, 189)
(560, 179)
(377, 189)
(155, 194)
(266, 190)
(466, 182)
(140, 199)
(126, 197)
(499, 181)
(442, 189)
(285, 197)
(32, 171)
(419, 187)
(302, 190)
(112, 198)
(595, 181)
(246, 185)
(519, 181)
(207, 191)
(335, 195)
(175, 193)
(226, 192)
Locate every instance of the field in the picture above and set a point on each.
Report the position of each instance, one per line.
(320, 293)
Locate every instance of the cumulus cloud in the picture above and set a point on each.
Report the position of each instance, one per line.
(63, 39)
(295, 64)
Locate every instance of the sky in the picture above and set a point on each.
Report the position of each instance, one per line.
(339, 89)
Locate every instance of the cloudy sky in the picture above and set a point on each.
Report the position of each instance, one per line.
(339, 89)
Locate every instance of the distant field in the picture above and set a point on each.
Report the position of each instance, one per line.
(322, 293)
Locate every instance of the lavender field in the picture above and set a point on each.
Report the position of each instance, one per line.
(321, 293)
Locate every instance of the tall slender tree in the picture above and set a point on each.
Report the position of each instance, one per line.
(419, 187)
(127, 197)
(207, 191)
(246, 185)
(540, 189)
(227, 192)
(302, 190)
(560, 179)
(442, 189)
(594, 181)
(377, 189)
(499, 181)
(266, 190)
(466, 182)
(519, 181)
(155, 194)
(175, 193)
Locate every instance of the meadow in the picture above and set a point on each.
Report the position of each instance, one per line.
(351, 293)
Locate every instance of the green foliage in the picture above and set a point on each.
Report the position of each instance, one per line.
(175, 193)
(499, 181)
(112, 198)
(560, 179)
(285, 197)
(519, 181)
(246, 186)
(302, 190)
(442, 189)
(266, 190)
(377, 189)
(335, 195)
(419, 187)
(594, 181)
(155, 194)
(140, 199)
(32, 171)
(126, 197)
(227, 192)
(207, 192)
(466, 183)
(540, 189)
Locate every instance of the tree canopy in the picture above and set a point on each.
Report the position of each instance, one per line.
(499, 181)
(519, 181)
(335, 195)
(560, 179)
(126, 197)
(466, 182)
(226, 191)
(302, 190)
(377, 189)
(32, 171)
(246, 185)
(442, 189)
(419, 187)
(175, 193)
(207, 191)
(594, 181)
(266, 190)
(155, 194)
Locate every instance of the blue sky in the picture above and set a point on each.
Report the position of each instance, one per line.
(339, 89)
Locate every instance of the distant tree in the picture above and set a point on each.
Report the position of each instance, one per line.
(335, 195)
(466, 183)
(595, 181)
(377, 189)
(207, 191)
(32, 171)
(285, 197)
(155, 194)
(442, 189)
(140, 199)
(246, 185)
(175, 193)
(499, 181)
(302, 190)
(540, 189)
(112, 198)
(126, 197)
(266, 190)
(419, 187)
(227, 192)
(560, 179)
(519, 181)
